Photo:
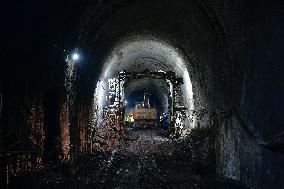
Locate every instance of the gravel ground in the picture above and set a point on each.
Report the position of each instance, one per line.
(144, 158)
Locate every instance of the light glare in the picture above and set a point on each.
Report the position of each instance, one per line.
(75, 56)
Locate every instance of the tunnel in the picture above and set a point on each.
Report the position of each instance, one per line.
(142, 94)
(143, 53)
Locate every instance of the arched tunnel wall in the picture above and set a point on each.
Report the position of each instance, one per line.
(218, 66)
(233, 54)
(185, 38)
(145, 52)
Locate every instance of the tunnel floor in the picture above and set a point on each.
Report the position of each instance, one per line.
(145, 158)
(145, 141)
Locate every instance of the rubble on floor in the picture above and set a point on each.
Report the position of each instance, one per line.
(144, 158)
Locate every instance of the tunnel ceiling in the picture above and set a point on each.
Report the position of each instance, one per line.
(182, 26)
(143, 53)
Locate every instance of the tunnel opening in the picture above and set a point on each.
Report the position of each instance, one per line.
(147, 63)
(146, 94)
(143, 100)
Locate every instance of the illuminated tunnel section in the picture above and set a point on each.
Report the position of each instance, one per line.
(140, 53)
(157, 88)
(145, 35)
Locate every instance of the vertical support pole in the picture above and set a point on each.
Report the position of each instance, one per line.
(119, 91)
(173, 102)
(70, 79)
(173, 109)
(171, 124)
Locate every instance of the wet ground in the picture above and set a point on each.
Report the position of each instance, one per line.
(144, 158)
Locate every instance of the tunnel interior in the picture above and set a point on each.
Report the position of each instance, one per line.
(142, 54)
(135, 90)
(142, 94)
(148, 54)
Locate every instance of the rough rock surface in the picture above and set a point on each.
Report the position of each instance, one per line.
(145, 158)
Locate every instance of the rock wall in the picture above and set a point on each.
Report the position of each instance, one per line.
(240, 157)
